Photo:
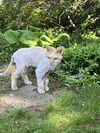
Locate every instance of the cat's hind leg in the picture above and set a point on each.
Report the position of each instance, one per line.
(14, 76)
(14, 81)
(26, 79)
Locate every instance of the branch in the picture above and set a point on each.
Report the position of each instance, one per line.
(71, 22)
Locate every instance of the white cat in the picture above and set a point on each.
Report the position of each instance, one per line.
(43, 59)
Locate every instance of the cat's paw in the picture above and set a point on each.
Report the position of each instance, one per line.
(41, 91)
(15, 88)
(28, 83)
(1, 74)
(46, 88)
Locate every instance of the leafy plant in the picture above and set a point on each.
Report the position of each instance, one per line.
(81, 61)
(16, 14)
(33, 37)
(72, 15)
(7, 49)
(11, 40)
(12, 36)
(84, 57)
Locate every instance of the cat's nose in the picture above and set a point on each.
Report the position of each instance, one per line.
(52, 61)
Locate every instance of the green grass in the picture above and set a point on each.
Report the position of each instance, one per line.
(72, 112)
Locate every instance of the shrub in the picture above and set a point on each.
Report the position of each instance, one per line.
(72, 15)
(33, 36)
(18, 14)
(11, 40)
(7, 49)
(69, 15)
(82, 57)
(81, 61)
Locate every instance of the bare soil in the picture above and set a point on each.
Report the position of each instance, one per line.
(25, 97)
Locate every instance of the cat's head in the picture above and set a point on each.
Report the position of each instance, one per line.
(54, 55)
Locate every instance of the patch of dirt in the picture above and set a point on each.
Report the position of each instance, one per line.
(25, 97)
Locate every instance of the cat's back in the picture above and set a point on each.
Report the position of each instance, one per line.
(38, 50)
(29, 55)
(29, 51)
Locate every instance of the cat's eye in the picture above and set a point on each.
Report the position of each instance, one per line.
(55, 58)
(48, 57)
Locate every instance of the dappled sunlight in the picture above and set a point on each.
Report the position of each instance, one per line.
(65, 121)
(67, 118)
(90, 35)
(70, 120)
(9, 101)
(71, 110)
(58, 119)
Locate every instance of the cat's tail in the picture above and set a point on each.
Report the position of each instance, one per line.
(8, 70)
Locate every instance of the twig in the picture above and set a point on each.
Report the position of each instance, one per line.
(71, 22)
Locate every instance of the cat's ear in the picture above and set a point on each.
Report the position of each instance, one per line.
(49, 49)
(59, 50)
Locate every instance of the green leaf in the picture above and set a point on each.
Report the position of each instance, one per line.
(32, 43)
(46, 38)
(39, 34)
(12, 36)
(28, 37)
(44, 43)
(32, 28)
(60, 35)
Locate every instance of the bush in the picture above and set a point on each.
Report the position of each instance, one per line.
(81, 61)
(68, 15)
(7, 49)
(18, 14)
(82, 57)
(72, 15)
(11, 40)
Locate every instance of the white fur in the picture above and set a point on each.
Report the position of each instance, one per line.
(34, 56)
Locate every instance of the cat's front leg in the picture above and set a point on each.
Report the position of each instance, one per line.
(46, 82)
(41, 72)
(40, 82)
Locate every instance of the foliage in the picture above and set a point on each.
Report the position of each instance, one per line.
(17, 14)
(80, 57)
(7, 49)
(81, 52)
(73, 14)
(77, 82)
(34, 37)
(68, 15)
(81, 61)
(11, 40)
(12, 36)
